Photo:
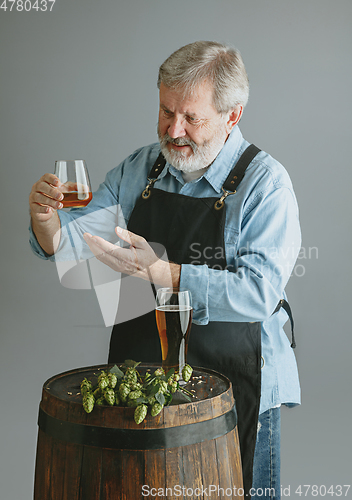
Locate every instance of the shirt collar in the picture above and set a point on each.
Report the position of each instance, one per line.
(221, 166)
(224, 162)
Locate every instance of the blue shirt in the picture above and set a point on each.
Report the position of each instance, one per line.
(262, 242)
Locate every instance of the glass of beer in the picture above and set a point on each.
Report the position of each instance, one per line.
(75, 186)
(174, 318)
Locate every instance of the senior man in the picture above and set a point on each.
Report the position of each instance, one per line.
(227, 215)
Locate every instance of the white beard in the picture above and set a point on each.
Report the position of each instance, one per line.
(203, 155)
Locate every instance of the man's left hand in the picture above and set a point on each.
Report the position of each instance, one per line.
(138, 260)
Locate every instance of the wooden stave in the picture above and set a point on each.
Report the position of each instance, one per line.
(94, 473)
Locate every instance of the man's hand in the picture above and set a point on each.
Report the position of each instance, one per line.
(138, 260)
(45, 197)
(44, 201)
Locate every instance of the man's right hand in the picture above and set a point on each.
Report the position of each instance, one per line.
(45, 197)
(44, 201)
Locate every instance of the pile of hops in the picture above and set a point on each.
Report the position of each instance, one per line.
(124, 386)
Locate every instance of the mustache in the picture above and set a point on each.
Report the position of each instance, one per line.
(178, 141)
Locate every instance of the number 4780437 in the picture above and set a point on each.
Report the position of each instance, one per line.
(27, 5)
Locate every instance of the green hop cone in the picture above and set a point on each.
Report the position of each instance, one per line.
(134, 386)
(151, 400)
(140, 413)
(156, 409)
(124, 391)
(117, 399)
(88, 402)
(187, 373)
(163, 386)
(86, 386)
(103, 380)
(159, 372)
(100, 402)
(173, 379)
(172, 382)
(135, 394)
(131, 375)
(109, 396)
(112, 380)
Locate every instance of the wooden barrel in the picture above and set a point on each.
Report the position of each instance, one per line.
(190, 450)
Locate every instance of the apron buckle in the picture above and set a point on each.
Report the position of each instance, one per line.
(147, 191)
(220, 203)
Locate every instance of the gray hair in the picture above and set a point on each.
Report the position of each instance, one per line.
(219, 64)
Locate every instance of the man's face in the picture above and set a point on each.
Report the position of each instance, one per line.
(191, 131)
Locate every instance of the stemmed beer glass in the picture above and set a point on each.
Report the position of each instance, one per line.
(75, 186)
(174, 318)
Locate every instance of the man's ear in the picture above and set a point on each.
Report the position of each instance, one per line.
(234, 116)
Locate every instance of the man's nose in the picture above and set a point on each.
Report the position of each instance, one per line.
(176, 128)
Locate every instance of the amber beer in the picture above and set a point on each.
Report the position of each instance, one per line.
(75, 199)
(75, 184)
(174, 324)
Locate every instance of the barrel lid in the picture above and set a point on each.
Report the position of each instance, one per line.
(204, 384)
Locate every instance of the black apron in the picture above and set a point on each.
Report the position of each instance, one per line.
(177, 221)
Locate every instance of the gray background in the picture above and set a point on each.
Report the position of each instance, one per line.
(80, 82)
